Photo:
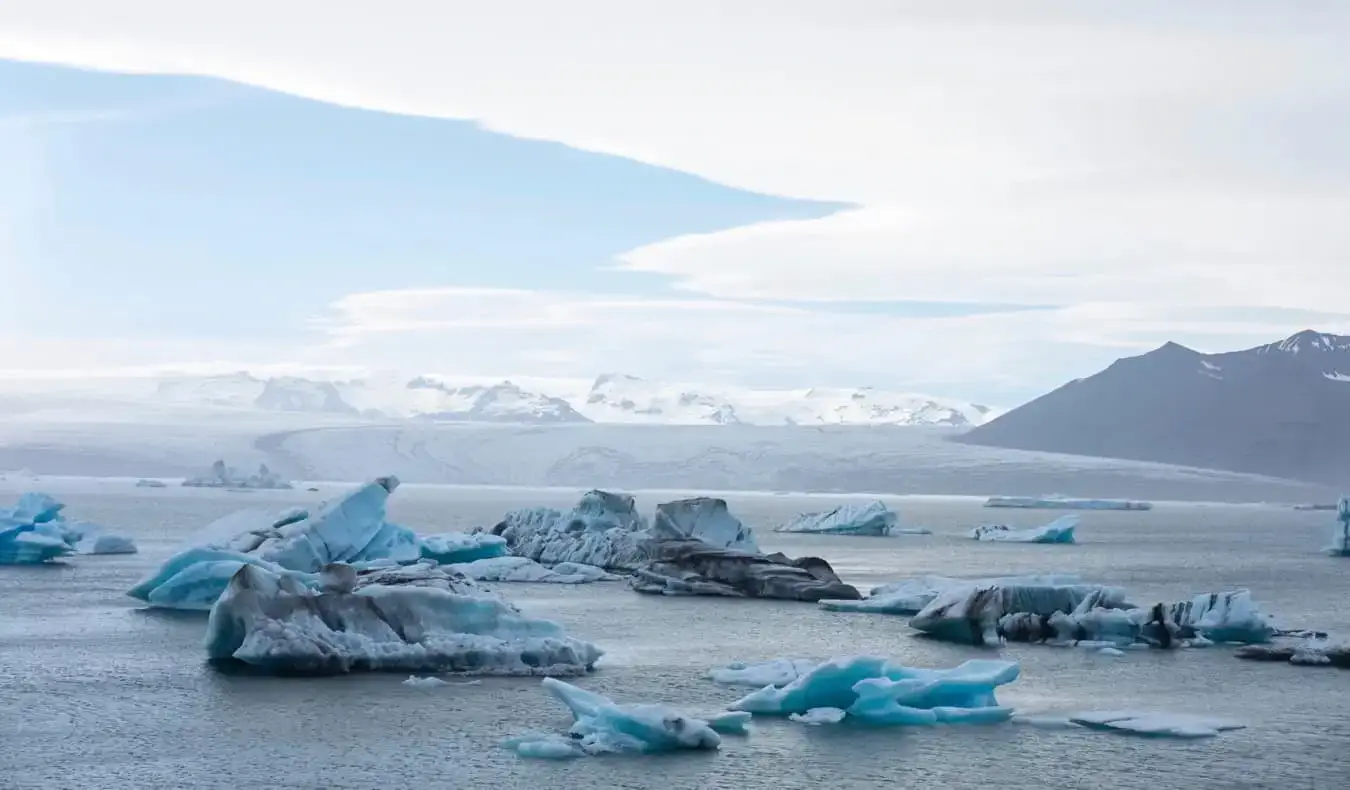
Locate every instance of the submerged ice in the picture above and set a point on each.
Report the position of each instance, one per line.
(414, 618)
(873, 519)
(1058, 531)
(35, 530)
(877, 691)
(602, 726)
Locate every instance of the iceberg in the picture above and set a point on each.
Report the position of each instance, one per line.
(691, 567)
(414, 618)
(149, 483)
(605, 530)
(297, 544)
(1340, 537)
(778, 672)
(876, 691)
(524, 569)
(35, 530)
(910, 596)
(222, 476)
(976, 614)
(602, 726)
(456, 547)
(873, 520)
(1061, 502)
(818, 716)
(1224, 617)
(1058, 531)
(1313, 652)
(1168, 725)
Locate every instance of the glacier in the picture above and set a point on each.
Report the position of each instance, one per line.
(412, 618)
(296, 544)
(877, 691)
(873, 520)
(35, 530)
(1340, 536)
(1058, 531)
(602, 726)
(1061, 502)
(910, 596)
(222, 476)
(605, 530)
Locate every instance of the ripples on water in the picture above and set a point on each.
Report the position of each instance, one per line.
(96, 693)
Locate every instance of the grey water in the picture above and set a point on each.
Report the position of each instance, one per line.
(96, 692)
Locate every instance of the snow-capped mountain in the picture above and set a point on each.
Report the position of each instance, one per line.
(1280, 409)
(610, 398)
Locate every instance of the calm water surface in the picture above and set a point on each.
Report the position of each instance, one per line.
(98, 693)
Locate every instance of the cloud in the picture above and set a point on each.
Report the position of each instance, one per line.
(1147, 169)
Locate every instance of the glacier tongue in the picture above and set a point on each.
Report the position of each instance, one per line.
(415, 618)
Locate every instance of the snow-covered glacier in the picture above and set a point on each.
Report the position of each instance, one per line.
(412, 618)
(1062, 502)
(873, 519)
(1061, 530)
(296, 544)
(602, 726)
(878, 691)
(35, 530)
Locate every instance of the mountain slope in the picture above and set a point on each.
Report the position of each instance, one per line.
(1281, 409)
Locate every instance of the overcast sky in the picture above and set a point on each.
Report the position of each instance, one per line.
(989, 197)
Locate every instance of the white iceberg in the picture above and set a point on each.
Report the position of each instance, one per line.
(296, 544)
(873, 520)
(778, 672)
(222, 476)
(602, 726)
(35, 530)
(524, 569)
(1224, 617)
(877, 691)
(1062, 502)
(910, 596)
(455, 547)
(818, 716)
(413, 618)
(150, 483)
(605, 530)
(1340, 536)
(1058, 531)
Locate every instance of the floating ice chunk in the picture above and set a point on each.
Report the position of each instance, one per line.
(778, 672)
(730, 722)
(692, 567)
(818, 716)
(876, 691)
(35, 530)
(147, 483)
(524, 569)
(1061, 502)
(603, 726)
(459, 547)
(978, 614)
(604, 530)
(351, 530)
(1340, 536)
(411, 618)
(1224, 617)
(222, 476)
(1169, 725)
(910, 596)
(1058, 531)
(873, 519)
(424, 683)
(1312, 652)
(706, 519)
(20, 545)
(1111, 651)
(106, 543)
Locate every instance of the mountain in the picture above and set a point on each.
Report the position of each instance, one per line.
(610, 398)
(1281, 409)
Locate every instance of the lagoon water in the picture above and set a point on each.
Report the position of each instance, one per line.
(96, 692)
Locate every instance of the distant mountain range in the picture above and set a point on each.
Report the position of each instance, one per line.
(611, 398)
(1281, 409)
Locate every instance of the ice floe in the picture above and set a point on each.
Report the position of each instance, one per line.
(222, 476)
(419, 617)
(1061, 502)
(778, 672)
(873, 519)
(1311, 652)
(35, 530)
(457, 547)
(1061, 530)
(602, 726)
(524, 569)
(877, 691)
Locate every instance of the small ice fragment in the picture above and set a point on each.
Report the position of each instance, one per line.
(1111, 651)
(1168, 725)
(427, 682)
(818, 716)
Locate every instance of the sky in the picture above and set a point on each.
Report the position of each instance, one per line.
(973, 198)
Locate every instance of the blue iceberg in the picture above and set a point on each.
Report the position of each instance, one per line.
(1058, 531)
(872, 520)
(602, 726)
(35, 530)
(874, 690)
(1061, 502)
(413, 618)
(296, 544)
(1340, 537)
(454, 547)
